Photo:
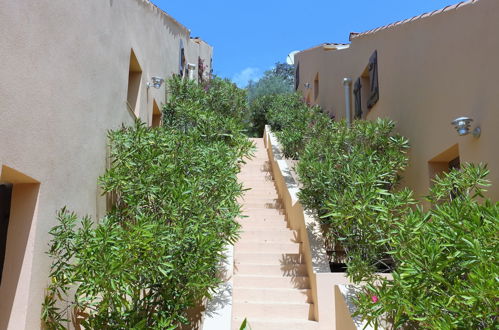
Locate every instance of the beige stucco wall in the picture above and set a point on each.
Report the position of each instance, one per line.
(63, 85)
(431, 71)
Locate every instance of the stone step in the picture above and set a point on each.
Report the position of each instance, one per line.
(270, 214)
(274, 258)
(259, 193)
(261, 204)
(262, 184)
(271, 270)
(259, 200)
(262, 211)
(249, 225)
(254, 176)
(267, 247)
(271, 282)
(259, 220)
(263, 189)
(301, 311)
(266, 235)
(275, 324)
(273, 295)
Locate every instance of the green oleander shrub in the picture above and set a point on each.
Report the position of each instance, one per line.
(157, 252)
(350, 178)
(448, 268)
(258, 114)
(443, 261)
(217, 111)
(294, 122)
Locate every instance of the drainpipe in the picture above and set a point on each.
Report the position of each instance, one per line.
(347, 83)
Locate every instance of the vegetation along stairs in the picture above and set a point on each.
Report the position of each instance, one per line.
(271, 288)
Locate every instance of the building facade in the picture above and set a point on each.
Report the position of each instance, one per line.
(423, 73)
(71, 71)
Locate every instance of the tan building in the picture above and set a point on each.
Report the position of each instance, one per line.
(71, 71)
(423, 73)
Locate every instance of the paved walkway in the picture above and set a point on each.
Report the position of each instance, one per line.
(271, 288)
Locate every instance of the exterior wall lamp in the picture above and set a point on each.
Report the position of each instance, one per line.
(463, 125)
(155, 82)
(307, 85)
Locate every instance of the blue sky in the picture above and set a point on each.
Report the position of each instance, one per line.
(250, 36)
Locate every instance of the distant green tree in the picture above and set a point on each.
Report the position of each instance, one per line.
(278, 80)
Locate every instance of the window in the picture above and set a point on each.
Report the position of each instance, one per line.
(297, 76)
(366, 89)
(201, 69)
(372, 69)
(316, 86)
(182, 59)
(211, 67)
(357, 93)
(18, 200)
(156, 115)
(5, 197)
(134, 79)
(444, 162)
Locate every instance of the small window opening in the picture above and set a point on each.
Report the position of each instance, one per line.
(308, 99)
(297, 76)
(134, 79)
(5, 198)
(201, 68)
(357, 93)
(372, 69)
(445, 162)
(365, 90)
(367, 87)
(316, 86)
(182, 60)
(18, 200)
(156, 115)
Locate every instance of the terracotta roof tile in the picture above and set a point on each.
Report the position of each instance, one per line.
(354, 35)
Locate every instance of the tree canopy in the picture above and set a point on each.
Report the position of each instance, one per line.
(278, 80)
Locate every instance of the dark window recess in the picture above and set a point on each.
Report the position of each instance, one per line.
(200, 70)
(5, 198)
(455, 164)
(182, 59)
(297, 76)
(316, 86)
(373, 79)
(357, 88)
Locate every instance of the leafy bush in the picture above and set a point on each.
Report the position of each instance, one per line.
(157, 252)
(258, 114)
(349, 178)
(293, 122)
(447, 277)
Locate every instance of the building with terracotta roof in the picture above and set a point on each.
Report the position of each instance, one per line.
(423, 72)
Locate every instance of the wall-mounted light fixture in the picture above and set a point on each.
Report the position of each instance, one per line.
(155, 82)
(307, 85)
(463, 125)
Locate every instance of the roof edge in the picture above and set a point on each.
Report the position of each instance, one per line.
(168, 16)
(327, 46)
(355, 35)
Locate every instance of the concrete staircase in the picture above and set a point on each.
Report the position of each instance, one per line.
(271, 288)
